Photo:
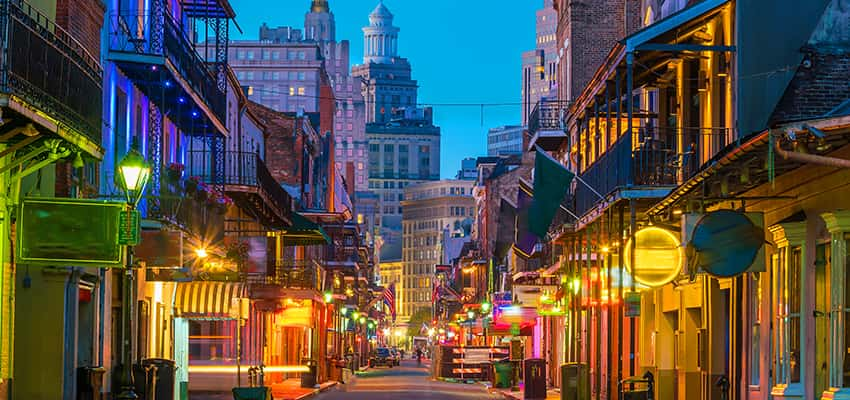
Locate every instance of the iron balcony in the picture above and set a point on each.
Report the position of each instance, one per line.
(47, 74)
(155, 51)
(546, 124)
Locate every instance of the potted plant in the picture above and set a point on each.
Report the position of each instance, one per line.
(237, 251)
(192, 184)
(174, 171)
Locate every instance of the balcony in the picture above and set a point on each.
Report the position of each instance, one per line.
(248, 181)
(546, 124)
(155, 51)
(301, 279)
(47, 76)
(175, 206)
(662, 159)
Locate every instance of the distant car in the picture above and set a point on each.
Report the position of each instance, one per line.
(381, 357)
(395, 357)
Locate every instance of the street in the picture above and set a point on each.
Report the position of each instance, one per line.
(406, 381)
(389, 384)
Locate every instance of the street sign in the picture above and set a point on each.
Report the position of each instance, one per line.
(632, 304)
(129, 228)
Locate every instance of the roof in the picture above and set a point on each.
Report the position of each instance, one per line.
(381, 11)
(272, 120)
(806, 98)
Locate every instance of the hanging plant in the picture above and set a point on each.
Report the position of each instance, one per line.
(192, 184)
(174, 171)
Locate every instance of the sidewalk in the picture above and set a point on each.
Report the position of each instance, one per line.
(509, 395)
(291, 390)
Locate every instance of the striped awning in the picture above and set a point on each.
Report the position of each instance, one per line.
(207, 300)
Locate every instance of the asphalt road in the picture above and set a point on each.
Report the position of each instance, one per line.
(401, 383)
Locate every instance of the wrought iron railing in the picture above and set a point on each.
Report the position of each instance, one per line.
(294, 274)
(240, 169)
(175, 206)
(660, 157)
(47, 67)
(548, 115)
(156, 33)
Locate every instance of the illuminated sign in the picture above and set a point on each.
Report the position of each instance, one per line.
(658, 256)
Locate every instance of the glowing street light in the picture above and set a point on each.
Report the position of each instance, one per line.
(201, 253)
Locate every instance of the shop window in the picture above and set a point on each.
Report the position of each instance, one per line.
(787, 307)
(755, 343)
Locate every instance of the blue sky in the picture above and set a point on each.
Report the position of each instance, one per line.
(461, 52)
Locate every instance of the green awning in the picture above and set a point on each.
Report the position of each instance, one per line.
(304, 232)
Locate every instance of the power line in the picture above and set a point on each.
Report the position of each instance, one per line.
(431, 104)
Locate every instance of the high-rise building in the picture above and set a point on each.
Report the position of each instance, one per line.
(505, 140)
(387, 81)
(404, 144)
(429, 209)
(284, 70)
(468, 170)
(539, 66)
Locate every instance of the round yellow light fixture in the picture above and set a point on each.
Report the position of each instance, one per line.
(659, 256)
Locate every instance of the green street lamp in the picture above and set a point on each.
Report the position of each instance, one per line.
(134, 172)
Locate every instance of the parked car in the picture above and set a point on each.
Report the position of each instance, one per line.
(395, 357)
(381, 357)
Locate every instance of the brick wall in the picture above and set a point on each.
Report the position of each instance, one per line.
(593, 27)
(83, 19)
(817, 90)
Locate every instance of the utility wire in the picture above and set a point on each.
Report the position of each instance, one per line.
(434, 104)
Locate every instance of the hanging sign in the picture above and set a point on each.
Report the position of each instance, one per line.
(725, 243)
(658, 256)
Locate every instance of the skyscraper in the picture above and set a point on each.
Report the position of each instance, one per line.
(540, 66)
(387, 81)
(284, 69)
(404, 144)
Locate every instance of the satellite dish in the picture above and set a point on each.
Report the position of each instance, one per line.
(726, 243)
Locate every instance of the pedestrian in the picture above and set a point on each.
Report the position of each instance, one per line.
(418, 356)
(401, 353)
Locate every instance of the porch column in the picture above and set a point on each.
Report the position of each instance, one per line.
(788, 237)
(838, 225)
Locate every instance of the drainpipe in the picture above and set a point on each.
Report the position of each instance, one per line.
(811, 158)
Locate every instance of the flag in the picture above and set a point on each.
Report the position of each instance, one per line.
(389, 298)
(524, 239)
(551, 183)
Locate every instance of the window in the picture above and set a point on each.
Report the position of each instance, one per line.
(292, 91)
(302, 76)
(275, 55)
(302, 55)
(787, 333)
(250, 55)
(755, 344)
(300, 91)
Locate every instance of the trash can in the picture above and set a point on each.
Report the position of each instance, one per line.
(154, 378)
(504, 373)
(308, 379)
(251, 393)
(534, 370)
(89, 382)
(575, 382)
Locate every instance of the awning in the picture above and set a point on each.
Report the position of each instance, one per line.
(304, 232)
(207, 300)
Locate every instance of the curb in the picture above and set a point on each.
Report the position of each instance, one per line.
(317, 391)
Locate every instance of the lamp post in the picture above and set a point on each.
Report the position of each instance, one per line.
(134, 172)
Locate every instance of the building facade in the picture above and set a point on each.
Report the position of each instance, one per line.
(505, 140)
(539, 66)
(468, 169)
(429, 208)
(387, 81)
(284, 70)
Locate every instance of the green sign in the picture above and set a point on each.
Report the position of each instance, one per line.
(515, 329)
(68, 232)
(129, 228)
(632, 304)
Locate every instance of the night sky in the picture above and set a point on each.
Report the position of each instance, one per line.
(461, 52)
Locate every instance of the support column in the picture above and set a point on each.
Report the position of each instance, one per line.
(838, 225)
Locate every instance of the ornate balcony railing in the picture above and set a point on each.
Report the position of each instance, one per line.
(661, 157)
(156, 33)
(548, 115)
(292, 274)
(48, 68)
(176, 206)
(241, 170)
